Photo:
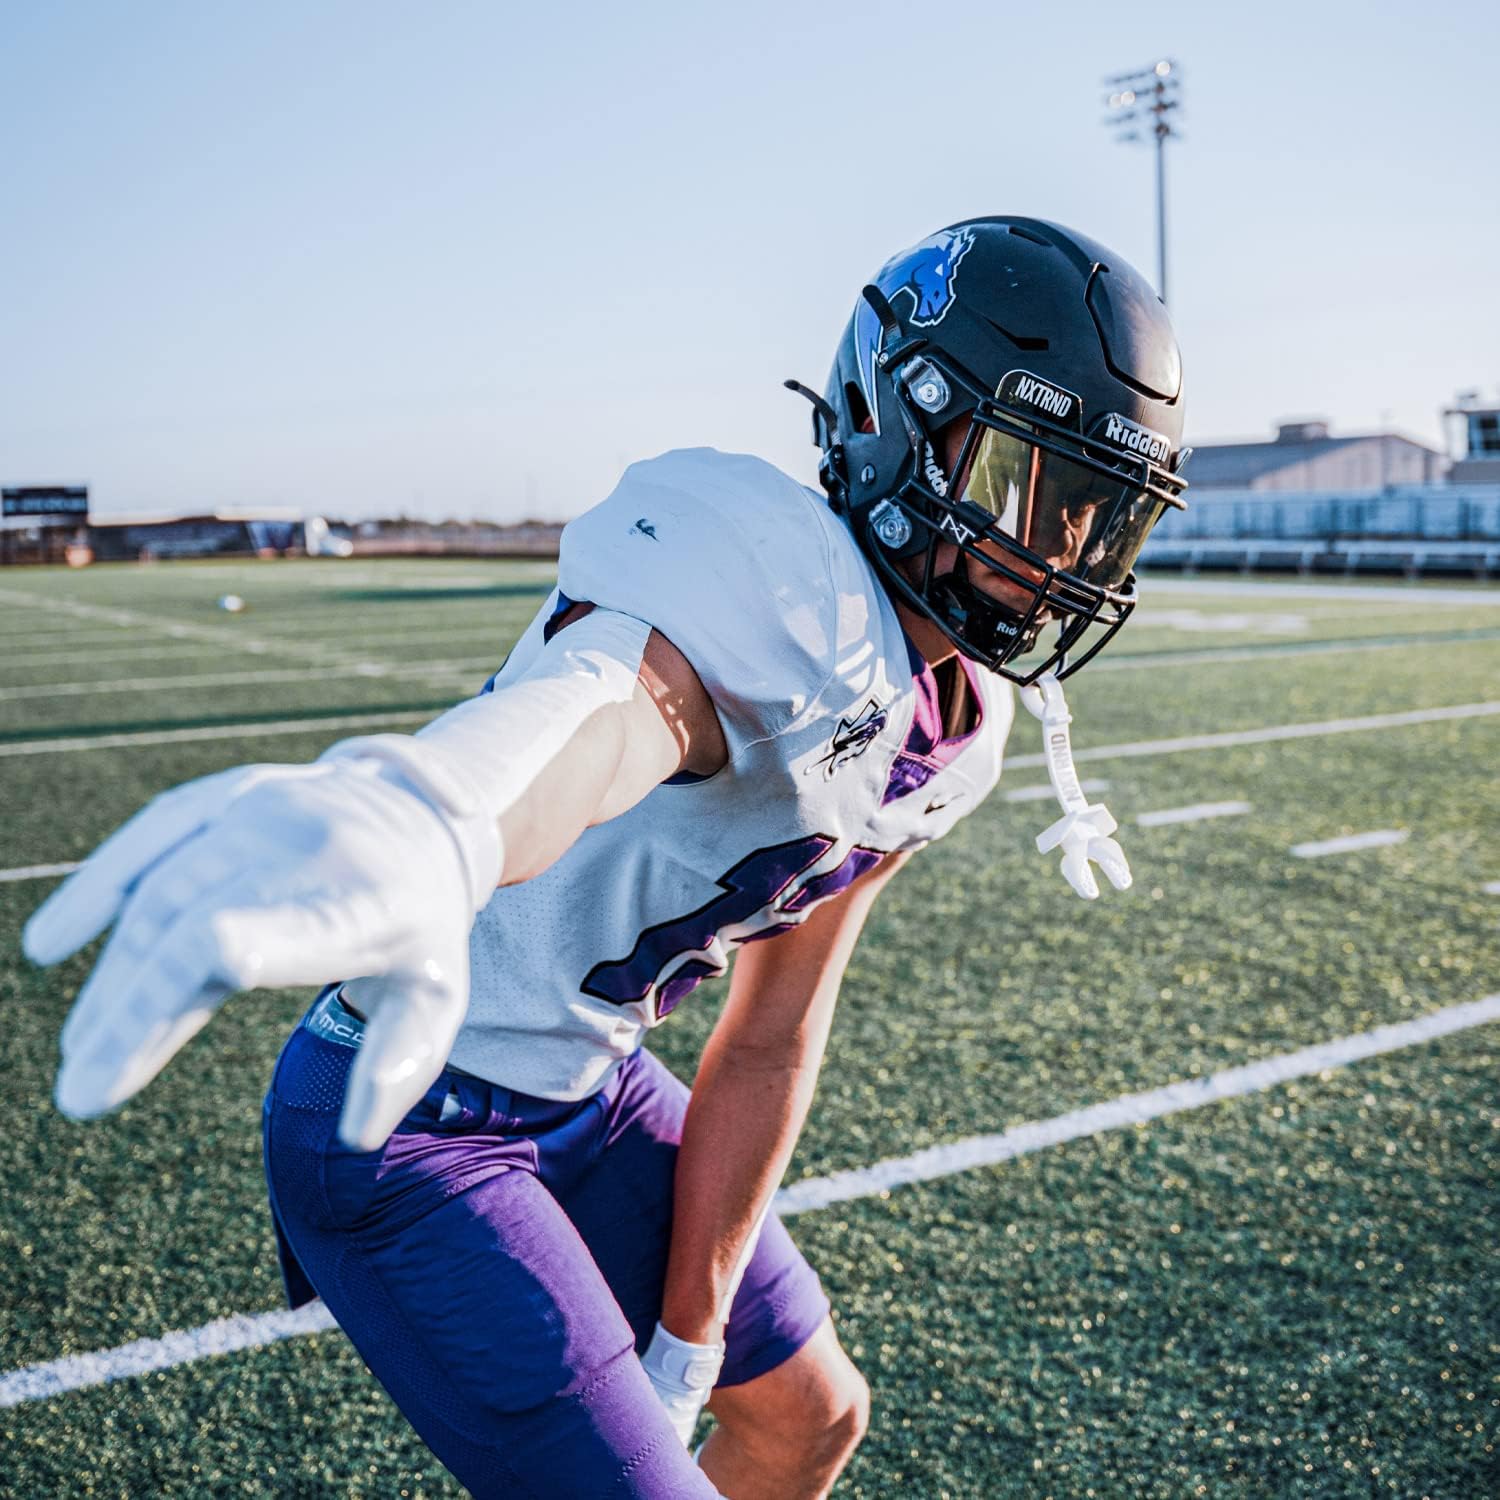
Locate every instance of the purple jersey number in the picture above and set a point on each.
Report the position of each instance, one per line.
(757, 883)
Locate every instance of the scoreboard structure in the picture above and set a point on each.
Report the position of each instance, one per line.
(67, 501)
(37, 519)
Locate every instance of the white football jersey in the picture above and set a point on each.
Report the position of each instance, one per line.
(836, 758)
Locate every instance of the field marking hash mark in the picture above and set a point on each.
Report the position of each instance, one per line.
(1198, 812)
(1351, 843)
(38, 872)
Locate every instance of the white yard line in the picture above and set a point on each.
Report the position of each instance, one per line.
(1269, 734)
(37, 872)
(1131, 1109)
(1155, 584)
(472, 671)
(1196, 813)
(1376, 839)
(265, 644)
(221, 635)
(1277, 650)
(189, 639)
(1043, 792)
(213, 732)
(40, 1382)
(156, 651)
(1133, 749)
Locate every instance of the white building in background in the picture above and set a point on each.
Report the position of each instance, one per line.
(1474, 435)
(1305, 457)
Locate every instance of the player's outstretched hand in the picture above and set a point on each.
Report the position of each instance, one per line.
(265, 876)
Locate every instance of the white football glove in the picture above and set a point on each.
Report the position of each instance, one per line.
(683, 1376)
(1083, 830)
(368, 866)
(371, 862)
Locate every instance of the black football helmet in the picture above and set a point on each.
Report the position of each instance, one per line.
(1061, 359)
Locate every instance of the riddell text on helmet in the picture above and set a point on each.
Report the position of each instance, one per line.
(1124, 433)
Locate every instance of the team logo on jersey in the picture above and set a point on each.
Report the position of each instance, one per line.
(925, 274)
(646, 529)
(852, 738)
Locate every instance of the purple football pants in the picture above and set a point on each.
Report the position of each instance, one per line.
(499, 1263)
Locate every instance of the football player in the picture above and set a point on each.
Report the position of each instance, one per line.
(742, 709)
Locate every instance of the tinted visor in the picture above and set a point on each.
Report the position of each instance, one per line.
(1084, 519)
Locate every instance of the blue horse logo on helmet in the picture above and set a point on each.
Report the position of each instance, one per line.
(926, 274)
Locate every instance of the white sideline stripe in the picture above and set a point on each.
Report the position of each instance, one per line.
(1131, 1109)
(1131, 750)
(1194, 814)
(77, 1372)
(1351, 842)
(1137, 748)
(156, 651)
(227, 636)
(213, 732)
(268, 643)
(39, 1382)
(38, 872)
(62, 650)
(1043, 792)
(189, 680)
(1276, 650)
(1155, 583)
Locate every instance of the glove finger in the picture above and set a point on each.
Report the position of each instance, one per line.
(291, 942)
(180, 948)
(168, 997)
(191, 873)
(87, 901)
(1075, 868)
(413, 1020)
(1111, 859)
(96, 1082)
(186, 876)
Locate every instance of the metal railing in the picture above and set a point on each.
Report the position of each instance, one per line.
(1434, 529)
(1467, 513)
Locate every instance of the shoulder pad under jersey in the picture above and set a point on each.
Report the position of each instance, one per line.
(731, 560)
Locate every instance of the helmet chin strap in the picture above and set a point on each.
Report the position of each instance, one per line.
(1083, 831)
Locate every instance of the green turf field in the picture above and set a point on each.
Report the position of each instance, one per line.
(1294, 1292)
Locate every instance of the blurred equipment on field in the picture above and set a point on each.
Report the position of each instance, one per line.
(231, 604)
(320, 541)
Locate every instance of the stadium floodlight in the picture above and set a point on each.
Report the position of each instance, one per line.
(1141, 105)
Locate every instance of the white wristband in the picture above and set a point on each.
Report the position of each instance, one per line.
(683, 1376)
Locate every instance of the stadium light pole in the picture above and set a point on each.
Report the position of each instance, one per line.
(1141, 105)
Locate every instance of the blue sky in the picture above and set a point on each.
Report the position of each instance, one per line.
(465, 258)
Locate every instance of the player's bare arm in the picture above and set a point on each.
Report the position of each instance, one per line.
(615, 758)
(751, 1095)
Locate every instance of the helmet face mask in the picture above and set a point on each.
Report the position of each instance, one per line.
(1042, 517)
